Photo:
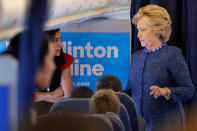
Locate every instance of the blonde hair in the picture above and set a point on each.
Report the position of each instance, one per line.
(104, 101)
(158, 18)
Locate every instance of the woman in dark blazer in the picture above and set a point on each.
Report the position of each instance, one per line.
(159, 79)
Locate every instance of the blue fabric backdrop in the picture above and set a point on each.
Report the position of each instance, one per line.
(192, 43)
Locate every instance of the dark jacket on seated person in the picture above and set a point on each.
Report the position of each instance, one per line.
(115, 120)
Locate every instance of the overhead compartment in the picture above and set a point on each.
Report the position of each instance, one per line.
(60, 12)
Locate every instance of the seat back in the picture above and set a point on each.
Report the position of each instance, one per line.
(42, 107)
(130, 105)
(71, 122)
(142, 124)
(124, 116)
(115, 120)
(8, 93)
(74, 105)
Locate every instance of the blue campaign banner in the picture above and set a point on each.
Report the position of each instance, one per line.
(4, 108)
(2, 46)
(96, 55)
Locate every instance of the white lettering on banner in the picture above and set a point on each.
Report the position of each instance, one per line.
(69, 47)
(109, 49)
(97, 69)
(81, 83)
(102, 49)
(81, 51)
(99, 51)
(90, 51)
(76, 67)
(88, 47)
(88, 68)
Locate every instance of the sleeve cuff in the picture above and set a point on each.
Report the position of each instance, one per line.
(174, 98)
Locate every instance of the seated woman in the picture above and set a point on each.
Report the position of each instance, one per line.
(45, 72)
(106, 102)
(82, 92)
(61, 83)
(109, 82)
(46, 66)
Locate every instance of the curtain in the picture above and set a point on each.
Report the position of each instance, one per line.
(192, 43)
(29, 57)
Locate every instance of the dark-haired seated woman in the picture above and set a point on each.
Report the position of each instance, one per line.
(61, 83)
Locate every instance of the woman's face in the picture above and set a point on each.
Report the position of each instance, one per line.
(45, 72)
(58, 43)
(146, 35)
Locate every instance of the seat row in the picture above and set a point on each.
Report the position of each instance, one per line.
(128, 111)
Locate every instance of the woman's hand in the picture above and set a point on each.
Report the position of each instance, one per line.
(156, 91)
(56, 93)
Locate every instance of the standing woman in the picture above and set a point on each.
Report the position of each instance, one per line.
(61, 83)
(159, 79)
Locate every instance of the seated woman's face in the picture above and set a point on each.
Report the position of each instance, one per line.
(58, 43)
(46, 71)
